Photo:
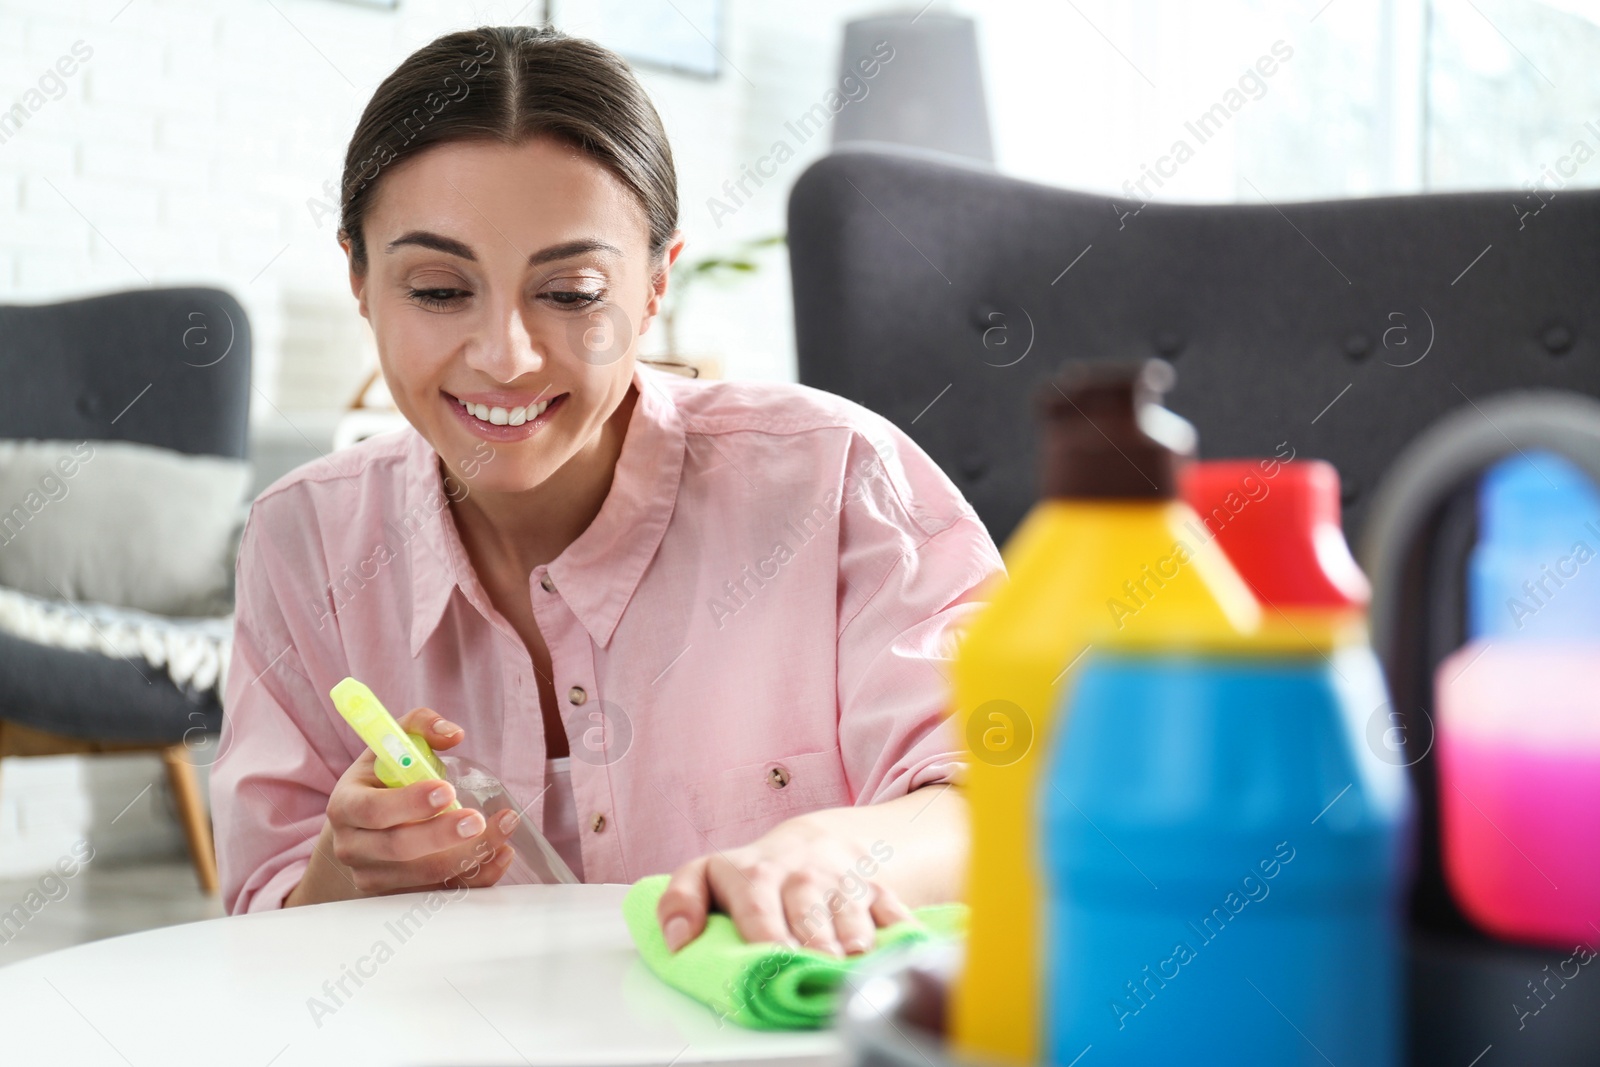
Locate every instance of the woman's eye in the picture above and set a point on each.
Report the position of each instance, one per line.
(575, 298)
(437, 298)
(444, 298)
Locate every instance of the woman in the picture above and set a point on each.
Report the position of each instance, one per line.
(699, 625)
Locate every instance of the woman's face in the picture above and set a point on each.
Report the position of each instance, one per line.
(508, 288)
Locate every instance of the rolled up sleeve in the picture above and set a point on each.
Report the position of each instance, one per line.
(916, 564)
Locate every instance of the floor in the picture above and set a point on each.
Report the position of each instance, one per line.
(102, 901)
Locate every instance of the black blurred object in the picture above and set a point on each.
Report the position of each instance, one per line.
(163, 367)
(944, 295)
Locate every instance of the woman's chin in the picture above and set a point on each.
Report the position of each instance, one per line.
(486, 479)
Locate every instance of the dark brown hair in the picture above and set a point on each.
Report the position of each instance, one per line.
(508, 84)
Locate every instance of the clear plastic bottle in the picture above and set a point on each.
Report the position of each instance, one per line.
(405, 758)
(534, 860)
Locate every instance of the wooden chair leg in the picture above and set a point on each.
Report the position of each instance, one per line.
(193, 814)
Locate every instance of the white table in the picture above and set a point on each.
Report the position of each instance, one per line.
(507, 975)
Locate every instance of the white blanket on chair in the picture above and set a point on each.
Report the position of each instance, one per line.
(194, 652)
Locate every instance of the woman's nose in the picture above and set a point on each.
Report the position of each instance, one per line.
(506, 349)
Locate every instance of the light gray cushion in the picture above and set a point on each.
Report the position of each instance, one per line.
(120, 523)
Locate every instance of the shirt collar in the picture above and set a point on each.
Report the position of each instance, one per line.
(598, 573)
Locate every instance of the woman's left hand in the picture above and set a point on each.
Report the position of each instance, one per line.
(800, 884)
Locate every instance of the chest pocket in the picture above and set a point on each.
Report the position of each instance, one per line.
(741, 803)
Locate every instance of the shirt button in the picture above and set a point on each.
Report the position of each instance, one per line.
(547, 584)
(778, 777)
(577, 695)
(598, 822)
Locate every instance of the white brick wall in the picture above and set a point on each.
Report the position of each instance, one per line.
(196, 132)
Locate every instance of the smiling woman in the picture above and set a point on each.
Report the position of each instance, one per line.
(555, 527)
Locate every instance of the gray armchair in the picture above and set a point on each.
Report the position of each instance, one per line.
(166, 367)
(942, 294)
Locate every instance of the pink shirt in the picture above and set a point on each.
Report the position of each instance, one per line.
(754, 626)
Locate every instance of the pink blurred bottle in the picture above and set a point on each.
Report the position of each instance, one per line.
(1519, 796)
(1519, 711)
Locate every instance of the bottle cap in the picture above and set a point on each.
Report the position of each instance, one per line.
(1278, 523)
(1106, 435)
(1528, 577)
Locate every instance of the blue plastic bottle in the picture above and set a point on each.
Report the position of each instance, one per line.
(1225, 831)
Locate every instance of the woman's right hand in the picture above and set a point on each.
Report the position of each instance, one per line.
(378, 840)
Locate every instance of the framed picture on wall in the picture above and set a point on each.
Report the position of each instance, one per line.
(684, 36)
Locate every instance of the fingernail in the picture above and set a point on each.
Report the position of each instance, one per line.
(677, 932)
(445, 728)
(856, 945)
(508, 821)
(471, 826)
(439, 797)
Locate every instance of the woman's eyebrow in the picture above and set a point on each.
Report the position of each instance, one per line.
(572, 248)
(437, 242)
(449, 245)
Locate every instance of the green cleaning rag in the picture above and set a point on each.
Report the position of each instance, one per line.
(765, 986)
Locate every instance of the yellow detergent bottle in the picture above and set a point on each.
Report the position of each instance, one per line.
(1103, 557)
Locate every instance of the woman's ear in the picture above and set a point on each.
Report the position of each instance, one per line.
(658, 281)
(358, 282)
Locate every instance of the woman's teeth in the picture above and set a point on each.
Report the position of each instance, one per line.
(505, 416)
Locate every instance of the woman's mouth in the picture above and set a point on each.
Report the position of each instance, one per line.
(506, 422)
